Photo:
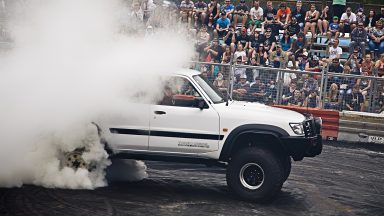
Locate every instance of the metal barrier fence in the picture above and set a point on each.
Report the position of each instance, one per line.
(275, 86)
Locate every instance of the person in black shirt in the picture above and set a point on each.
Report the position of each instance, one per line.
(269, 12)
(299, 13)
(215, 50)
(254, 42)
(230, 38)
(354, 101)
(370, 20)
(243, 38)
(335, 67)
(269, 40)
(274, 25)
(293, 27)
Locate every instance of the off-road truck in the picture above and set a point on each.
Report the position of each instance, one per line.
(194, 123)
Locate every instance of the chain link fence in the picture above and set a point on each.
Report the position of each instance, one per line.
(275, 86)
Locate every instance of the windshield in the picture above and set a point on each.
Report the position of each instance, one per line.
(213, 93)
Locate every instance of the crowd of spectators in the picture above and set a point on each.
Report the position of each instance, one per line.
(247, 34)
(282, 37)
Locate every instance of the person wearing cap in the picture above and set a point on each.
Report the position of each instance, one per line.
(302, 60)
(256, 15)
(283, 15)
(299, 13)
(269, 11)
(278, 58)
(222, 25)
(241, 88)
(313, 64)
(354, 62)
(360, 16)
(240, 14)
(347, 21)
(239, 71)
(358, 38)
(333, 29)
(228, 8)
(214, 50)
(323, 22)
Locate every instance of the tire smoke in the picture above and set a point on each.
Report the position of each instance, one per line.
(71, 63)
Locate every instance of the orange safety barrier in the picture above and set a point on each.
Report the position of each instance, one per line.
(330, 119)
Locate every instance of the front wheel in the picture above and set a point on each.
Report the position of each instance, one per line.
(255, 174)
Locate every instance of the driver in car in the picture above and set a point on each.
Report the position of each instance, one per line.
(167, 98)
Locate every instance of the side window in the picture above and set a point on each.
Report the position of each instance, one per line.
(178, 91)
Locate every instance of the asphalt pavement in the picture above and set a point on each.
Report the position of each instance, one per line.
(340, 181)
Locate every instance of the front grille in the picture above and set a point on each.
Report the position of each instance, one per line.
(309, 128)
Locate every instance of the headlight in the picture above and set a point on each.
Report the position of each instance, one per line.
(297, 128)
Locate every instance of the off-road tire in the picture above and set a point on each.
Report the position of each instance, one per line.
(286, 163)
(245, 170)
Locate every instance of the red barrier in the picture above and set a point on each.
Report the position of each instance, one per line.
(330, 119)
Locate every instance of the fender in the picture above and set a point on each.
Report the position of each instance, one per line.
(261, 129)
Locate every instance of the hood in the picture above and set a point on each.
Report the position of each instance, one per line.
(265, 110)
(239, 112)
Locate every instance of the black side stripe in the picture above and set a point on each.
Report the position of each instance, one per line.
(166, 134)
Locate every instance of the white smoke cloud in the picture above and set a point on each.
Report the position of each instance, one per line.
(69, 65)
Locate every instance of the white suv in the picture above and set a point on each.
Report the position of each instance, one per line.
(194, 123)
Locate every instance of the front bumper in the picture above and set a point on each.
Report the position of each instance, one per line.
(300, 147)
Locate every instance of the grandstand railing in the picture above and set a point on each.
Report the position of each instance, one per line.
(274, 86)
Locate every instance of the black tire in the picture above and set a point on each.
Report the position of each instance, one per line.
(255, 174)
(286, 163)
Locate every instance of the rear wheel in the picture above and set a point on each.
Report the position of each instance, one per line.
(255, 174)
(75, 160)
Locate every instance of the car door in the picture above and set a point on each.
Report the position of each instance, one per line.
(180, 126)
(128, 130)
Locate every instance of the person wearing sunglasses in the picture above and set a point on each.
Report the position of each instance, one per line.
(354, 62)
(358, 38)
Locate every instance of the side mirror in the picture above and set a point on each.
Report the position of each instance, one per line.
(200, 103)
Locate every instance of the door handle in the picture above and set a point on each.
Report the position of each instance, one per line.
(160, 112)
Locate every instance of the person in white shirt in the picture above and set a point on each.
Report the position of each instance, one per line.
(335, 51)
(256, 14)
(347, 21)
